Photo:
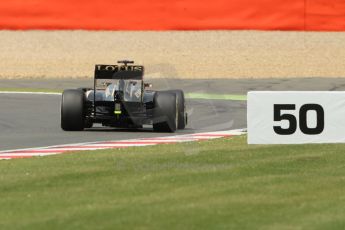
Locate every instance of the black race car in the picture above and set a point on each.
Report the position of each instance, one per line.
(120, 98)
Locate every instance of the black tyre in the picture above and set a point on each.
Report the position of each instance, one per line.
(181, 107)
(72, 110)
(165, 112)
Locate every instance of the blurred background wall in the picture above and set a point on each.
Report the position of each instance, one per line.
(306, 15)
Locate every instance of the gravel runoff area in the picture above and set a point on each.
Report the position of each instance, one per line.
(179, 55)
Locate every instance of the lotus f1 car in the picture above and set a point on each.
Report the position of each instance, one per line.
(120, 98)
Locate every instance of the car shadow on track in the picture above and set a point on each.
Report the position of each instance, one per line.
(118, 130)
(132, 130)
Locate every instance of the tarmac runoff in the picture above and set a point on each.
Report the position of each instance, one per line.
(209, 86)
(233, 89)
(231, 97)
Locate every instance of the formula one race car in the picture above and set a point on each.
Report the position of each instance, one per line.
(119, 98)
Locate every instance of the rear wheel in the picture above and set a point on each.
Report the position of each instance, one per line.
(165, 112)
(181, 114)
(72, 110)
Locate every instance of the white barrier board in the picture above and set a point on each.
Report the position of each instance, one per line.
(295, 117)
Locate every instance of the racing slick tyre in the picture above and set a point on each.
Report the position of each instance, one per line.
(72, 110)
(165, 112)
(181, 114)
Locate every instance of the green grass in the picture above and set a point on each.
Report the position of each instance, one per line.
(220, 184)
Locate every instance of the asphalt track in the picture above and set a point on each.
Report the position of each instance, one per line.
(34, 120)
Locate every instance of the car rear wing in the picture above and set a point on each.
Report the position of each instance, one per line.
(119, 72)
